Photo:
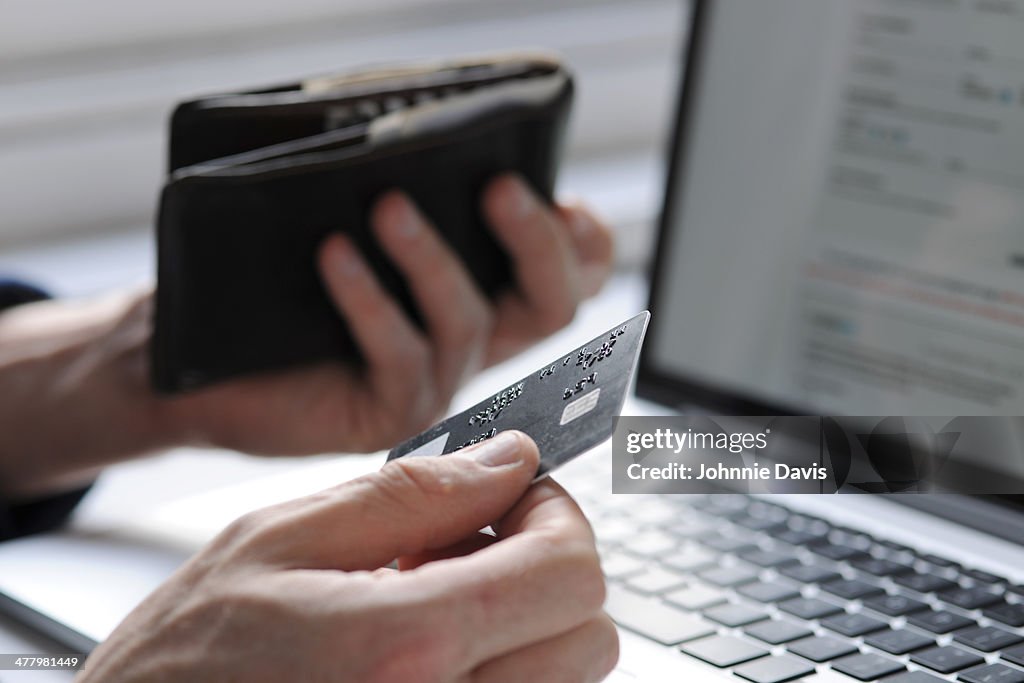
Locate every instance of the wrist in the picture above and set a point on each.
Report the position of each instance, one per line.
(126, 347)
(75, 393)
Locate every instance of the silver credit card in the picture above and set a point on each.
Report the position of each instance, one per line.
(567, 406)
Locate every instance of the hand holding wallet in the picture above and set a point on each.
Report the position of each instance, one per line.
(259, 179)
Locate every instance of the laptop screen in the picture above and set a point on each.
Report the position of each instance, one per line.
(844, 223)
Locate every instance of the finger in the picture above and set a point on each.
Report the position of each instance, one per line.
(585, 654)
(412, 505)
(594, 244)
(403, 633)
(541, 579)
(546, 506)
(456, 313)
(476, 542)
(544, 259)
(396, 353)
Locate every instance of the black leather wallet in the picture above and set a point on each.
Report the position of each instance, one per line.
(258, 180)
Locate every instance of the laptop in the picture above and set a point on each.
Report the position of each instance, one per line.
(842, 232)
(825, 154)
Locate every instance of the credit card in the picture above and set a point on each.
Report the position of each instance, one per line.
(567, 406)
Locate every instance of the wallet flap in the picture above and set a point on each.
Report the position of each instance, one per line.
(227, 124)
(427, 123)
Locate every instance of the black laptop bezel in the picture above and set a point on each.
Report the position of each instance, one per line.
(659, 385)
(654, 383)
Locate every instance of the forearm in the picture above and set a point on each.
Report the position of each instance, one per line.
(74, 394)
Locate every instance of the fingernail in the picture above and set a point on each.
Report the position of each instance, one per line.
(349, 264)
(522, 201)
(501, 450)
(407, 219)
(581, 224)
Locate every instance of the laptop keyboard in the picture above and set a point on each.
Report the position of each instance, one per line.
(771, 595)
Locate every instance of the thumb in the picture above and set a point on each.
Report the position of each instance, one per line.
(418, 504)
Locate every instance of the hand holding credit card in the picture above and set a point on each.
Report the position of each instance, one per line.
(566, 406)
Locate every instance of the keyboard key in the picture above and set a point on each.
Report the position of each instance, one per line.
(867, 666)
(992, 673)
(969, 598)
(762, 508)
(946, 659)
(938, 561)
(851, 538)
(880, 567)
(652, 544)
(653, 511)
(614, 530)
(839, 553)
(809, 608)
(895, 605)
(1006, 613)
(768, 591)
(728, 544)
(896, 547)
(811, 525)
(987, 638)
(757, 523)
(727, 577)
(686, 529)
(899, 641)
(652, 618)
(914, 677)
(1016, 589)
(617, 565)
(851, 589)
(696, 597)
(690, 560)
(780, 669)
(821, 648)
(767, 558)
(655, 580)
(795, 537)
(733, 615)
(723, 651)
(725, 504)
(982, 576)
(1014, 655)
(809, 573)
(853, 624)
(924, 583)
(777, 632)
(938, 621)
